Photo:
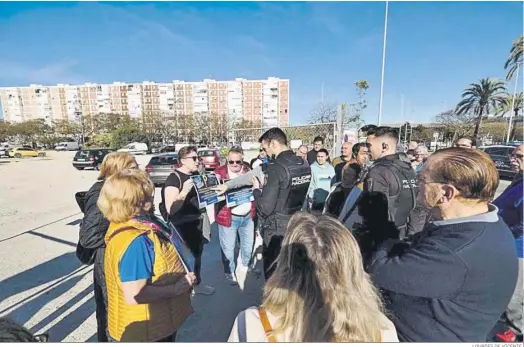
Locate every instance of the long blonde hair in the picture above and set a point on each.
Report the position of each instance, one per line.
(319, 289)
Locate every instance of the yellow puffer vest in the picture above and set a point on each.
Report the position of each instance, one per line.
(144, 322)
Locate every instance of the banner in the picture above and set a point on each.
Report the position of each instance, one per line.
(203, 183)
(239, 196)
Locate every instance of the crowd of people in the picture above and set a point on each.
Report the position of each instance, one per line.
(426, 253)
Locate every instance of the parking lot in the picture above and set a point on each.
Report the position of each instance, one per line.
(44, 286)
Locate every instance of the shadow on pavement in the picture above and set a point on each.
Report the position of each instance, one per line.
(213, 318)
(59, 275)
(39, 227)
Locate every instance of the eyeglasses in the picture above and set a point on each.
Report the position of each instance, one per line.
(262, 150)
(195, 158)
(517, 156)
(231, 162)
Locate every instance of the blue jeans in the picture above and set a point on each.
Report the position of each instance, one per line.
(244, 228)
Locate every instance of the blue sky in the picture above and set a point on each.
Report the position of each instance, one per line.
(435, 49)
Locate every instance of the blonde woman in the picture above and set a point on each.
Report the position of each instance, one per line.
(91, 245)
(148, 288)
(319, 291)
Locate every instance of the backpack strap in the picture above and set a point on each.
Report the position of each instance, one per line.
(265, 323)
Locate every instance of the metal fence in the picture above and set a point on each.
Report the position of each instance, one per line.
(303, 133)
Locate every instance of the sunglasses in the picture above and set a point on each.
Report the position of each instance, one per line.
(231, 162)
(195, 158)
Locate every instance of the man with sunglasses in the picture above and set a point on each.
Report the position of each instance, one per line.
(235, 221)
(180, 207)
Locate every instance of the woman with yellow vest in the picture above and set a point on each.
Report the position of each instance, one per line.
(148, 288)
(319, 291)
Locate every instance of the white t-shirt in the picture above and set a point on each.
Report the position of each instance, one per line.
(240, 210)
(248, 328)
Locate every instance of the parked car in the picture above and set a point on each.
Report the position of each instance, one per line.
(20, 152)
(135, 148)
(161, 166)
(167, 149)
(211, 158)
(90, 158)
(500, 156)
(67, 146)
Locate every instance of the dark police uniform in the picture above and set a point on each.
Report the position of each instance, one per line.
(288, 178)
(396, 179)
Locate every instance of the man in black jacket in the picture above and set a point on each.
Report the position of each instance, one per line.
(455, 280)
(318, 144)
(394, 177)
(288, 178)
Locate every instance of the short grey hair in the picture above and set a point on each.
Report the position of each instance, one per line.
(236, 149)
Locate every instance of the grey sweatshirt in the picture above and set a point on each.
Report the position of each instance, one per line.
(246, 179)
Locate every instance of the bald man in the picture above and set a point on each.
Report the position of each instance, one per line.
(412, 145)
(339, 162)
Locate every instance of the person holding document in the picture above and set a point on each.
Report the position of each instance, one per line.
(148, 281)
(180, 207)
(235, 218)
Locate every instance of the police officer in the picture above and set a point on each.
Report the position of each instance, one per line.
(288, 177)
(394, 177)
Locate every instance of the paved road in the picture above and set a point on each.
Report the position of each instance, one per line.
(42, 284)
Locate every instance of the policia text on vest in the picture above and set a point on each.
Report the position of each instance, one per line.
(288, 178)
(396, 179)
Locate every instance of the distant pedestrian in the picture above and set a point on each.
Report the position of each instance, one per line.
(466, 142)
(318, 144)
(322, 175)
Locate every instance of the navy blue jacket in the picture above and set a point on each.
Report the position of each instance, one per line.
(453, 283)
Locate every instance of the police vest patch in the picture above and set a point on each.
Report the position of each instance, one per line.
(295, 181)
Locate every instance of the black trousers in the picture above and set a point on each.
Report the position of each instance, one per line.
(101, 304)
(192, 235)
(270, 253)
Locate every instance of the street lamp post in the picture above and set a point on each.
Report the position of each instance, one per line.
(513, 104)
(383, 65)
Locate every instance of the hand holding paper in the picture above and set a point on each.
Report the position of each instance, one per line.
(220, 189)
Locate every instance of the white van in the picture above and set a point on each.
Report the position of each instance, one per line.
(67, 146)
(135, 148)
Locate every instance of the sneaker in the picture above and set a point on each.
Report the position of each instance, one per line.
(231, 279)
(204, 289)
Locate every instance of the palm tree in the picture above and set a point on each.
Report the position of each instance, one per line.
(481, 98)
(507, 104)
(515, 57)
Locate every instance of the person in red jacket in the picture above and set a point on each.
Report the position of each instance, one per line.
(237, 220)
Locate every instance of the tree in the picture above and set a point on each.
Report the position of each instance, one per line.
(455, 124)
(63, 128)
(128, 131)
(5, 131)
(515, 57)
(324, 113)
(481, 98)
(362, 87)
(507, 104)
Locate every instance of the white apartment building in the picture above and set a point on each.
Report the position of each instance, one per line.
(263, 102)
